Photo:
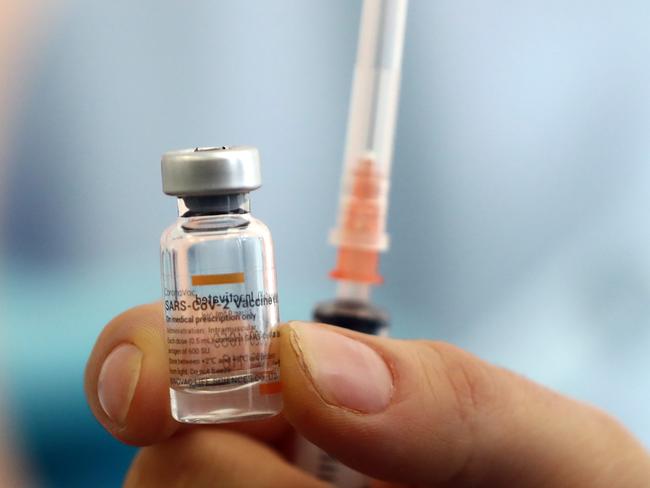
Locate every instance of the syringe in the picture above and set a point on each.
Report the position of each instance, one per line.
(360, 234)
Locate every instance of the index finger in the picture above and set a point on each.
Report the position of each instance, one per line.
(127, 382)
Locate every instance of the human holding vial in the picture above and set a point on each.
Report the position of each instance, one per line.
(412, 413)
(409, 413)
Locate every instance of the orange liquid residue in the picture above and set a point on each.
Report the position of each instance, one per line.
(362, 217)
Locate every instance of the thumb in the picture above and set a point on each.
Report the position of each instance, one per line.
(430, 413)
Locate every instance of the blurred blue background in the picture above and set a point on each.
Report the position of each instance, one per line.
(520, 188)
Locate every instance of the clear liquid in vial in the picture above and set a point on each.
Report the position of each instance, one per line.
(221, 311)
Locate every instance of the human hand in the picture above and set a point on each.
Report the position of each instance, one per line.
(407, 412)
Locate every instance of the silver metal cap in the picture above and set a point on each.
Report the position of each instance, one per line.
(211, 171)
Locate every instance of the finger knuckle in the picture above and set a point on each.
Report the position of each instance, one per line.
(466, 377)
(464, 390)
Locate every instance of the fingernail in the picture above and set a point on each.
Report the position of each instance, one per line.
(345, 372)
(117, 381)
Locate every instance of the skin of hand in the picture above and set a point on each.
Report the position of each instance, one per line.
(409, 413)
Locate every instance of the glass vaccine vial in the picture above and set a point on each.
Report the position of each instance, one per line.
(219, 289)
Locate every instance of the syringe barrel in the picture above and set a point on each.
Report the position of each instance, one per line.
(375, 89)
(371, 129)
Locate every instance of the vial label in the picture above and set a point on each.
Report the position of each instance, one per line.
(221, 333)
